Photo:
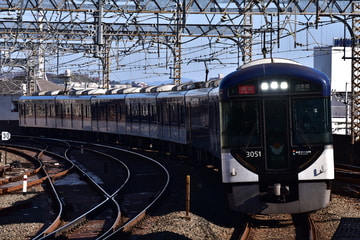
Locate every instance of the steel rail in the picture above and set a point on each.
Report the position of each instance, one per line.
(115, 230)
(88, 215)
(50, 181)
(130, 222)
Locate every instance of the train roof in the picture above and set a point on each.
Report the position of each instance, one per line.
(214, 92)
(172, 94)
(107, 96)
(213, 83)
(275, 69)
(33, 97)
(129, 90)
(74, 97)
(147, 89)
(199, 91)
(97, 91)
(115, 90)
(141, 95)
(163, 88)
(268, 60)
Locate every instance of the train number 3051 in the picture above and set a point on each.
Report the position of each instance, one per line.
(253, 154)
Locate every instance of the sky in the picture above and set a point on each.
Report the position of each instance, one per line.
(227, 62)
(153, 64)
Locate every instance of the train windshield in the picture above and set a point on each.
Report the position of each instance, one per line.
(311, 121)
(240, 124)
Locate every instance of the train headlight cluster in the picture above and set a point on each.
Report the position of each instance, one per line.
(274, 85)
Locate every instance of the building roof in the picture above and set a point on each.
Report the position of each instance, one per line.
(10, 86)
(45, 85)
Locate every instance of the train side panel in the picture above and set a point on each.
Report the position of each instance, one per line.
(109, 113)
(141, 115)
(197, 105)
(37, 112)
(172, 116)
(214, 123)
(73, 112)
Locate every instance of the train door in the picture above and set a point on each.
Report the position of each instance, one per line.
(276, 134)
(279, 176)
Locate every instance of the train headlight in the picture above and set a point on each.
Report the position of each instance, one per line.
(264, 86)
(274, 85)
(284, 85)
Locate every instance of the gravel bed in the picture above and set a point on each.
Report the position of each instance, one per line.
(328, 219)
(31, 208)
(207, 221)
(176, 226)
(28, 219)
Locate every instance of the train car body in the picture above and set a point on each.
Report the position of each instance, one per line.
(276, 141)
(267, 126)
(171, 112)
(108, 113)
(37, 112)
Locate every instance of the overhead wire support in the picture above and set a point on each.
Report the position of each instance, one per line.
(355, 81)
(102, 44)
(65, 28)
(180, 25)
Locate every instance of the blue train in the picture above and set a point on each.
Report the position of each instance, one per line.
(267, 126)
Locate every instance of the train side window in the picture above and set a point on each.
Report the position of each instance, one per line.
(71, 111)
(144, 112)
(50, 110)
(35, 113)
(120, 111)
(128, 112)
(159, 114)
(165, 113)
(181, 114)
(46, 113)
(29, 109)
(173, 112)
(152, 109)
(112, 114)
(213, 117)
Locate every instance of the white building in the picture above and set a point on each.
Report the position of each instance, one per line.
(335, 62)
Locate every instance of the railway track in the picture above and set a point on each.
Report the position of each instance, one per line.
(349, 177)
(298, 226)
(347, 173)
(278, 226)
(147, 181)
(42, 168)
(102, 196)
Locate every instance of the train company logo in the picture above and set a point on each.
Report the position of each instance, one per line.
(277, 148)
(301, 153)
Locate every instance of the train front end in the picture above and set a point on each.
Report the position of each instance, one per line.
(276, 141)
